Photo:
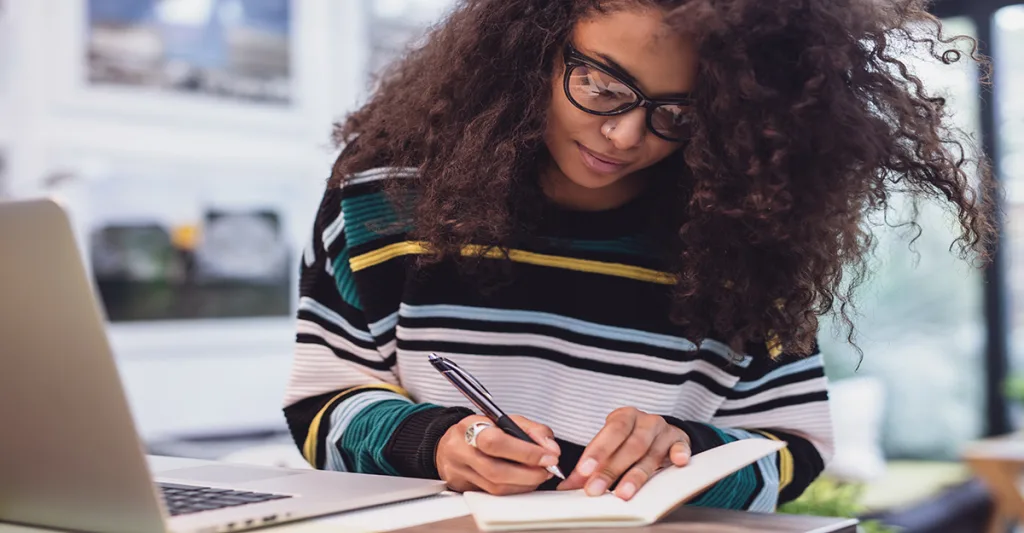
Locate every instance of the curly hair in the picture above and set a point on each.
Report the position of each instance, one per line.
(806, 122)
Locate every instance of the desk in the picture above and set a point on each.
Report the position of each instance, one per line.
(691, 520)
(448, 514)
(999, 463)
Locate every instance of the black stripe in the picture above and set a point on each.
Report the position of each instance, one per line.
(798, 399)
(385, 364)
(566, 360)
(796, 377)
(335, 329)
(570, 336)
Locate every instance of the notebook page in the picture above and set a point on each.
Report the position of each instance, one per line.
(665, 490)
(548, 509)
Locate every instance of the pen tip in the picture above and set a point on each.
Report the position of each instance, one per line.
(432, 357)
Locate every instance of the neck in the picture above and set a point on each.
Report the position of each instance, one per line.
(566, 193)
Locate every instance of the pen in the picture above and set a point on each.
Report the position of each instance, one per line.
(477, 393)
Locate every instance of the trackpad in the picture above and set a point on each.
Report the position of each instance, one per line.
(225, 474)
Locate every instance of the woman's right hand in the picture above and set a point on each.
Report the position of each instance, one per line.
(500, 463)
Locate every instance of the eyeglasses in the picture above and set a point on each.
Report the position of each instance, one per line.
(596, 89)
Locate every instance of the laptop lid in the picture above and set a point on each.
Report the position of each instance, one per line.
(70, 456)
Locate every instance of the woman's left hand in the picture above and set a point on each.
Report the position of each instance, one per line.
(633, 443)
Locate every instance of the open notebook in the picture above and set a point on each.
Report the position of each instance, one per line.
(664, 492)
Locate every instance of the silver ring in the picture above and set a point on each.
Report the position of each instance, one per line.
(474, 430)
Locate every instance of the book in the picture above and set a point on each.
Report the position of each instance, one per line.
(662, 494)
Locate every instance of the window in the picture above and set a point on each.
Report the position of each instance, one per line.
(1009, 56)
(394, 25)
(236, 49)
(919, 318)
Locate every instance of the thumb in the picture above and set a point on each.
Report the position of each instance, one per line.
(538, 432)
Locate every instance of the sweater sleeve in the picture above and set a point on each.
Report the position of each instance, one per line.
(782, 398)
(344, 403)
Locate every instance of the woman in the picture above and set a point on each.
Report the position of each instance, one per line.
(624, 218)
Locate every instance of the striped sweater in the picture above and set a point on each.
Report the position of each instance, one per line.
(579, 328)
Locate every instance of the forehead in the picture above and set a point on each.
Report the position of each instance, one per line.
(663, 62)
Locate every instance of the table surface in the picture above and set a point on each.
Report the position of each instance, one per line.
(690, 520)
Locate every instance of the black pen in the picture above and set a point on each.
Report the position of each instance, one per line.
(477, 393)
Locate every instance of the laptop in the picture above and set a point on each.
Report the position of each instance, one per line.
(70, 457)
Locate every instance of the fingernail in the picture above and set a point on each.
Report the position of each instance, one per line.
(587, 467)
(681, 457)
(548, 460)
(596, 487)
(626, 490)
(550, 444)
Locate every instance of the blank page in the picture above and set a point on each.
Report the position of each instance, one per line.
(675, 484)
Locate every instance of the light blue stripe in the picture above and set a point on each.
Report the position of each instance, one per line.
(807, 363)
(768, 499)
(724, 351)
(375, 174)
(382, 326)
(342, 416)
(308, 304)
(546, 319)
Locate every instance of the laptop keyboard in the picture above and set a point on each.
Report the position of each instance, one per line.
(187, 499)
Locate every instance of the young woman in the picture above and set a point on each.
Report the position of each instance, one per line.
(624, 218)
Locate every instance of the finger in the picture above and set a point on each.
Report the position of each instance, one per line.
(641, 472)
(679, 453)
(500, 472)
(636, 446)
(538, 432)
(462, 479)
(496, 443)
(617, 428)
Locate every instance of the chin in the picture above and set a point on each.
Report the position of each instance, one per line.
(583, 177)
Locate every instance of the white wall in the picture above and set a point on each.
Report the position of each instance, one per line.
(200, 376)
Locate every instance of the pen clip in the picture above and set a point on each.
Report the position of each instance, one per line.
(469, 377)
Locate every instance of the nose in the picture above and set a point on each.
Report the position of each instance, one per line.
(630, 129)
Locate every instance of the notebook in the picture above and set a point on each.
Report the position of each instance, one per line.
(663, 493)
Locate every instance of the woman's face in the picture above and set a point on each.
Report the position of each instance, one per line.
(595, 157)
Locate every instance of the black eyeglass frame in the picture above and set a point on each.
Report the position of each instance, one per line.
(574, 58)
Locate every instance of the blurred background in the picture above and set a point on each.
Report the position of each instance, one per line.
(190, 140)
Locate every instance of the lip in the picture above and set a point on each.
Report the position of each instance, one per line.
(598, 162)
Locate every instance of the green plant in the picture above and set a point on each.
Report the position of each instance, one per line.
(828, 497)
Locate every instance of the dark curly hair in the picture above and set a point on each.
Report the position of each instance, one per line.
(807, 121)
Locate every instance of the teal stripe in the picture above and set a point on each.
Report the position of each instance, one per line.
(362, 444)
(371, 216)
(767, 499)
(547, 319)
(345, 281)
(626, 245)
(732, 492)
(807, 363)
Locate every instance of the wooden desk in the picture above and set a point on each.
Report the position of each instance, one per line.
(690, 520)
(999, 463)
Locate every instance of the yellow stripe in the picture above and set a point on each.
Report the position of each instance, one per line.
(392, 251)
(785, 463)
(386, 253)
(309, 446)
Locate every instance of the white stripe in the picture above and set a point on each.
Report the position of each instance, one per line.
(376, 174)
(333, 230)
(316, 370)
(342, 416)
(530, 387)
(792, 389)
(308, 304)
(812, 421)
(337, 341)
(589, 353)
